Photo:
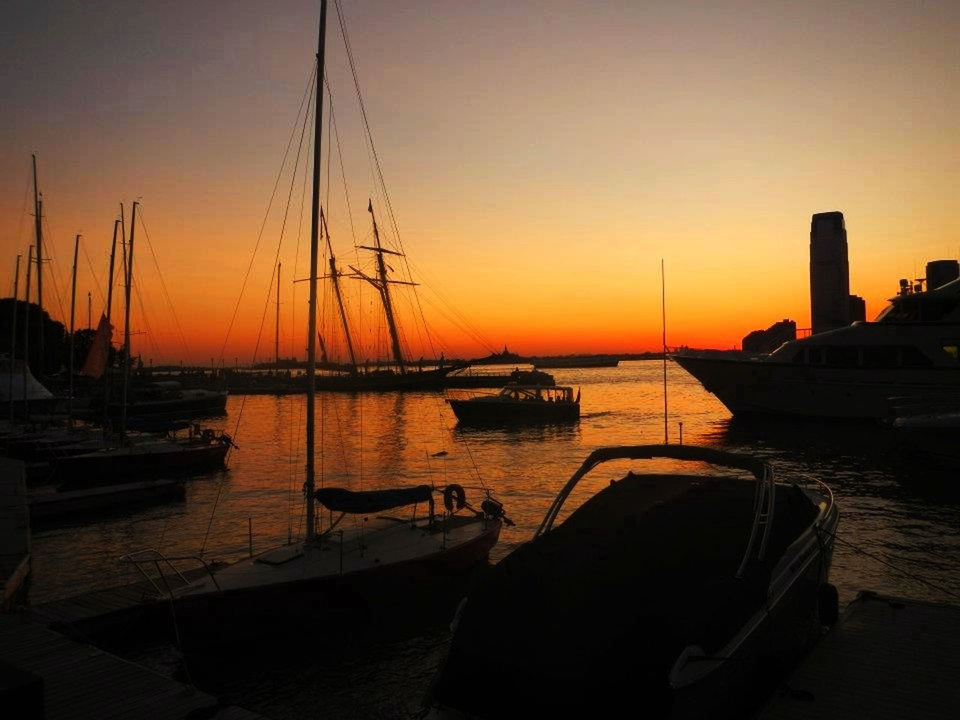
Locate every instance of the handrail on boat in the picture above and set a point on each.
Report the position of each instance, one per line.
(155, 556)
(763, 499)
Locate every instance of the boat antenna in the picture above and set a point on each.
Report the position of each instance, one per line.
(663, 312)
(314, 232)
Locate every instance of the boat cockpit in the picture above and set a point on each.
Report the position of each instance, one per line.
(537, 393)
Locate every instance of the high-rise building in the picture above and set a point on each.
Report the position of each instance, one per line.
(829, 272)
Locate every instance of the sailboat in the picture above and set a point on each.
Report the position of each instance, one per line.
(401, 376)
(366, 559)
(118, 462)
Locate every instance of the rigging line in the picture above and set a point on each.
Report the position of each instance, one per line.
(308, 93)
(152, 339)
(266, 305)
(48, 247)
(476, 337)
(376, 158)
(23, 212)
(343, 172)
(890, 565)
(163, 284)
(96, 280)
(296, 255)
(467, 325)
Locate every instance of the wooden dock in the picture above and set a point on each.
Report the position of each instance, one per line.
(14, 533)
(886, 658)
(97, 610)
(45, 675)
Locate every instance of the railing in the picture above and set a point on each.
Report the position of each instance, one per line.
(137, 559)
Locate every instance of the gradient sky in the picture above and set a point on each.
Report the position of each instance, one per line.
(541, 159)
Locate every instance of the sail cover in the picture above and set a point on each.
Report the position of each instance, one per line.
(17, 381)
(99, 350)
(371, 501)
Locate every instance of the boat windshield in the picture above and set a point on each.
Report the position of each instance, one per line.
(536, 393)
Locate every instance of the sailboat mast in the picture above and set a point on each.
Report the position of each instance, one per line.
(126, 322)
(385, 294)
(38, 227)
(314, 231)
(276, 341)
(113, 252)
(106, 370)
(335, 277)
(26, 335)
(73, 307)
(13, 329)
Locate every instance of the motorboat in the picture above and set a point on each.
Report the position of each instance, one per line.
(671, 594)
(517, 403)
(911, 349)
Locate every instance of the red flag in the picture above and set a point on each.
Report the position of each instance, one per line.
(96, 361)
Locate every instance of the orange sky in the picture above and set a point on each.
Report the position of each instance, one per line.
(541, 158)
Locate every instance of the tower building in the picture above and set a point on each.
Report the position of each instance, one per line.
(829, 272)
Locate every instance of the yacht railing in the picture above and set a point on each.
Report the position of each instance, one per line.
(158, 559)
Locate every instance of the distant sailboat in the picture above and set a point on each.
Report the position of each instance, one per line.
(118, 462)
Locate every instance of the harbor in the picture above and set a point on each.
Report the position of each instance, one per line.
(261, 455)
(891, 507)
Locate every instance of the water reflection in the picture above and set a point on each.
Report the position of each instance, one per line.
(904, 514)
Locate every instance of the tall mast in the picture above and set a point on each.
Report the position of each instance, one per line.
(126, 323)
(26, 335)
(73, 307)
(276, 342)
(335, 276)
(384, 288)
(13, 329)
(314, 229)
(113, 252)
(106, 370)
(89, 311)
(38, 212)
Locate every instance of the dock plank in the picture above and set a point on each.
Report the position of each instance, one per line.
(81, 681)
(886, 658)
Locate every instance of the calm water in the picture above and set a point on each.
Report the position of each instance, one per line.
(899, 529)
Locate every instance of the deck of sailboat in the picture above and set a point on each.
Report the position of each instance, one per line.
(383, 545)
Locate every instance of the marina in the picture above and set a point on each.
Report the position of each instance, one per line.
(267, 483)
(889, 507)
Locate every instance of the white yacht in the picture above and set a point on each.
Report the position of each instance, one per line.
(853, 372)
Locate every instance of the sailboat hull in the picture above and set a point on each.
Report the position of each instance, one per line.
(269, 597)
(160, 459)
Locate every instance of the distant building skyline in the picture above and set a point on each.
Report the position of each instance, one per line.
(829, 272)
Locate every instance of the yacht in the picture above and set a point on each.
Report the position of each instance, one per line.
(849, 373)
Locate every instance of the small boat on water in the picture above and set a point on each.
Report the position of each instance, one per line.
(676, 595)
(519, 404)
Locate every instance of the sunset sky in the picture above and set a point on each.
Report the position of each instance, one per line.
(540, 158)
